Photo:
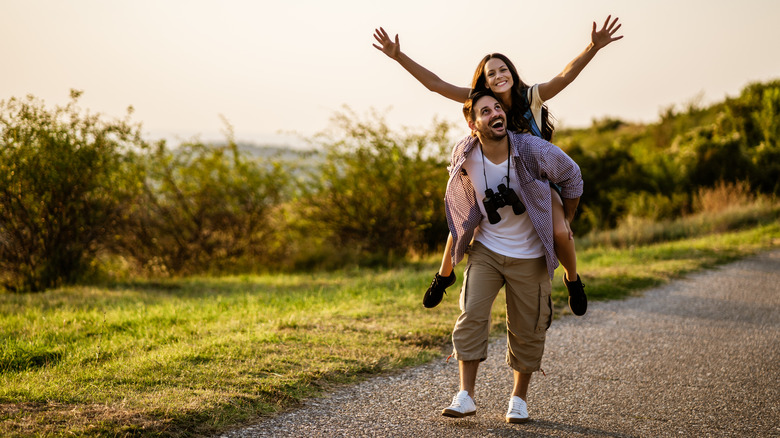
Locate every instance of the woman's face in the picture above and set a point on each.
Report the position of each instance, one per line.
(497, 76)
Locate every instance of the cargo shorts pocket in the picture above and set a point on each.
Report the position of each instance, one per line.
(464, 288)
(545, 314)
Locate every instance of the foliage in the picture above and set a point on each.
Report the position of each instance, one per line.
(73, 186)
(654, 171)
(203, 209)
(754, 118)
(65, 176)
(378, 192)
(720, 209)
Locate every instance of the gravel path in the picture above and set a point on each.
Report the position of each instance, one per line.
(698, 357)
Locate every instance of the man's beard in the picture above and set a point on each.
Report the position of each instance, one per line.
(487, 132)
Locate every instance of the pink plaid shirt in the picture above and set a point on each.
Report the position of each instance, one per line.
(536, 162)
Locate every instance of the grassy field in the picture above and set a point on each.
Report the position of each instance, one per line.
(198, 355)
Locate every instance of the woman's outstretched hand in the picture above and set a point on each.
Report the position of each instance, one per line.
(389, 47)
(605, 36)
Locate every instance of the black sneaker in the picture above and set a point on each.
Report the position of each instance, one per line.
(578, 302)
(436, 291)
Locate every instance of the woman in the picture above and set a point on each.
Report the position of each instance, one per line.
(525, 112)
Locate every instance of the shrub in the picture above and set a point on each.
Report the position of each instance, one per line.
(203, 208)
(723, 196)
(65, 176)
(379, 193)
(754, 118)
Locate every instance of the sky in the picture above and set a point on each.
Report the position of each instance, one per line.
(279, 71)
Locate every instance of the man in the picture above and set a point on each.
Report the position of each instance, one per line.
(511, 226)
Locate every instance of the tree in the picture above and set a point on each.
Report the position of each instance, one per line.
(754, 119)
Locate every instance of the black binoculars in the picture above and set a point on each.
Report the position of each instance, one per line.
(504, 197)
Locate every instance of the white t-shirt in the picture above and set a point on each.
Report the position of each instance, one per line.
(513, 236)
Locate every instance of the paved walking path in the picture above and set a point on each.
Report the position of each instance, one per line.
(698, 357)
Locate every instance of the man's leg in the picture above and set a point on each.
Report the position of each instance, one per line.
(520, 388)
(481, 283)
(468, 375)
(518, 408)
(463, 403)
(529, 313)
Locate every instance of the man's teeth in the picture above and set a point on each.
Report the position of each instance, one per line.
(497, 124)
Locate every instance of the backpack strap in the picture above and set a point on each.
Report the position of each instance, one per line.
(529, 116)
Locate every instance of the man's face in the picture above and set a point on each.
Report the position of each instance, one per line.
(489, 118)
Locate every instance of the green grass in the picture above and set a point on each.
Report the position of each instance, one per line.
(638, 231)
(616, 272)
(195, 356)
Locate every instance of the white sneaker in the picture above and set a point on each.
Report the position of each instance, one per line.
(518, 411)
(462, 405)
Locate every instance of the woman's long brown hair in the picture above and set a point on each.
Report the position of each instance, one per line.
(516, 114)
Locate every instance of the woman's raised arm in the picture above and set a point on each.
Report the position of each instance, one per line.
(598, 40)
(392, 48)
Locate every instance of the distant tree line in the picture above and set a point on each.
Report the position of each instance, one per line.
(81, 195)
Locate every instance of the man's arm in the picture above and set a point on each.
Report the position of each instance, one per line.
(559, 168)
(570, 208)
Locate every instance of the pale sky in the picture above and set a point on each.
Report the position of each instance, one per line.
(280, 67)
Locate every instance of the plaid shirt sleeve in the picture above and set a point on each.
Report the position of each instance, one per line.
(560, 169)
(460, 201)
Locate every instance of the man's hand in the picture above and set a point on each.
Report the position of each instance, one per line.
(569, 210)
(390, 48)
(568, 229)
(604, 36)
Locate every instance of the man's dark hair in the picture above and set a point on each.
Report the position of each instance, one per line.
(474, 96)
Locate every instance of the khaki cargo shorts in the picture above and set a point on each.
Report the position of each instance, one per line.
(528, 307)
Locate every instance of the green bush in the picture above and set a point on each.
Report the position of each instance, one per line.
(203, 209)
(754, 116)
(65, 177)
(377, 193)
(704, 158)
(653, 171)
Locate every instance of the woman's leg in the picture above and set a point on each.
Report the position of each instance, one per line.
(564, 249)
(442, 280)
(446, 259)
(564, 242)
